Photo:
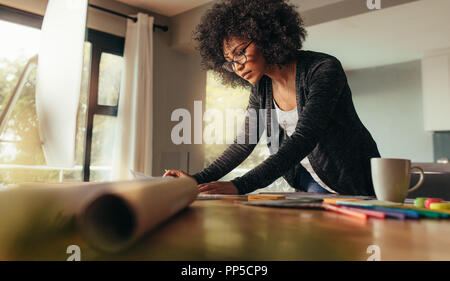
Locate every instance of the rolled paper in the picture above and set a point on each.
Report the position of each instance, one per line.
(419, 202)
(116, 218)
(110, 216)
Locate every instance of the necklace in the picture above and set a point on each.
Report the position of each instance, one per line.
(290, 78)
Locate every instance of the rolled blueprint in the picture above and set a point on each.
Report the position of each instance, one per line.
(117, 217)
(110, 215)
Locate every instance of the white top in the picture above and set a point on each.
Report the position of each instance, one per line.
(288, 121)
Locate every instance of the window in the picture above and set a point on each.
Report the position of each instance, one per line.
(109, 79)
(106, 71)
(219, 97)
(21, 155)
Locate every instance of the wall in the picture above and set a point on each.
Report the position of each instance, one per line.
(181, 82)
(183, 26)
(388, 100)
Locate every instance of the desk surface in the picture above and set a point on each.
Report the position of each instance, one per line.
(221, 230)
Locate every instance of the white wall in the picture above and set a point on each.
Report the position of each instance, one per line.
(388, 100)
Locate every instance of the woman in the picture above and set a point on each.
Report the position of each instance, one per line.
(323, 146)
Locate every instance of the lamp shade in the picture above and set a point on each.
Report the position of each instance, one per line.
(58, 78)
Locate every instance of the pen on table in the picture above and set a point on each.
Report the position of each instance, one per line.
(369, 213)
(352, 213)
(389, 212)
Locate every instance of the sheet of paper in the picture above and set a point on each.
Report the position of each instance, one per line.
(304, 203)
(203, 196)
(138, 175)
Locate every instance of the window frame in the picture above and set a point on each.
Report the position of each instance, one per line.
(101, 42)
(20, 17)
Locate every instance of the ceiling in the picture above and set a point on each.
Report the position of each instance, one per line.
(173, 7)
(303, 5)
(392, 35)
(166, 7)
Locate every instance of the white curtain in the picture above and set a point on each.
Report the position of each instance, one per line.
(134, 137)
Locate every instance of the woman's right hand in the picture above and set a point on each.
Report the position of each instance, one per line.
(176, 174)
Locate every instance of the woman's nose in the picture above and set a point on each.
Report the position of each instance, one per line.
(238, 66)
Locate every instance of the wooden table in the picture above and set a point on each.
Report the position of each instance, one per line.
(221, 230)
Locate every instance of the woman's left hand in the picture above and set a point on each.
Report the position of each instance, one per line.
(218, 187)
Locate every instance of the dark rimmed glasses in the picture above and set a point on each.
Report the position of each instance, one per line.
(239, 58)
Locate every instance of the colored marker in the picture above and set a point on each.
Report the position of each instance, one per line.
(440, 206)
(370, 213)
(408, 213)
(347, 212)
(398, 214)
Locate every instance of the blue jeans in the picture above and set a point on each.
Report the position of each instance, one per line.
(309, 184)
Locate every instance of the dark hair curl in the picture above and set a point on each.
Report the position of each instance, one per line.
(274, 26)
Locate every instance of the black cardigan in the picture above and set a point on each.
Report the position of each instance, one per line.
(329, 132)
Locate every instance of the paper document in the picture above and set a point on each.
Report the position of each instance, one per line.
(138, 175)
(206, 196)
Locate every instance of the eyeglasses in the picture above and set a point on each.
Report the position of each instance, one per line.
(239, 58)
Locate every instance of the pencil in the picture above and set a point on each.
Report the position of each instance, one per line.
(263, 197)
(370, 213)
(334, 200)
(348, 212)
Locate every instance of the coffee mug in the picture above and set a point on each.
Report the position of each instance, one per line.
(391, 178)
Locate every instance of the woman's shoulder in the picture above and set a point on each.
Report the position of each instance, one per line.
(307, 61)
(311, 58)
(310, 61)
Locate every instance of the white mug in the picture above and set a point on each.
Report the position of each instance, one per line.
(391, 178)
